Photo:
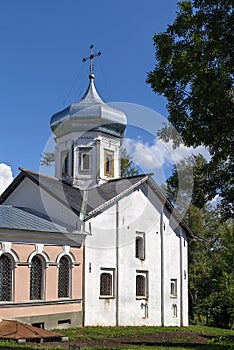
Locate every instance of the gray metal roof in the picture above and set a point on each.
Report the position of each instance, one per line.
(12, 217)
(90, 113)
(72, 197)
(98, 198)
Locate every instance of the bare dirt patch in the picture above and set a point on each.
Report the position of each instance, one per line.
(154, 339)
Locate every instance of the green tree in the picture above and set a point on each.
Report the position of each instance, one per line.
(211, 275)
(127, 165)
(47, 159)
(194, 71)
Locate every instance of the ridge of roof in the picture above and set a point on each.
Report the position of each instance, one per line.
(123, 193)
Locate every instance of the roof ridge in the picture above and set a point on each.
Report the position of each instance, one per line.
(24, 170)
(123, 193)
(123, 178)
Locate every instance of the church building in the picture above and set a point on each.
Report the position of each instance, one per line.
(87, 247)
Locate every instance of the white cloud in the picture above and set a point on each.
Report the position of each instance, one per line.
(213, 203)
(153, 156)
(6, 176)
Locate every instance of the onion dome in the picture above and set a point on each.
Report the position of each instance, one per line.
(90, 113)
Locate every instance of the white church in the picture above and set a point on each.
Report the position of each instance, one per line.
(87, 247)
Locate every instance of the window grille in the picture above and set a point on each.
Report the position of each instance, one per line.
(140, 248)
(5, 278)
(140, 286)
(64, 277)
(36, 276)
(106, 284)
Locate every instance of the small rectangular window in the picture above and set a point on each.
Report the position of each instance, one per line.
(141, 285)
(174, 310)
(39, 325)
(85, 158)
(140, 246)
(173, 288)
(107, 283)
(109, 163)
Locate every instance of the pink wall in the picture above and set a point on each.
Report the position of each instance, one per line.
(21, 277)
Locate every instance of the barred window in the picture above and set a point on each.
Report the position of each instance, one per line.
(140, 286)
(140, 248)
(36, 279)
(5, 278)
(64, 277)
(106, 284)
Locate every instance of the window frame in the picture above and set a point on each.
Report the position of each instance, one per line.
(42, 287)
(140, 249)
(69, 282)
(107, 160)
(84, 151)
(174, 311)
(111, 273)
(142, 274)
(11, 282)
(173, 288)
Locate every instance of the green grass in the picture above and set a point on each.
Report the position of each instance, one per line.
(11, 345)
(140, 331)
(223, 339)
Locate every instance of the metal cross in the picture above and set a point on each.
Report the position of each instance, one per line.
(90, 58)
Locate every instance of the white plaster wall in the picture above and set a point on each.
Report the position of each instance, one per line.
(135, 213)
(184, 244)
(171, 271)
(99, 253)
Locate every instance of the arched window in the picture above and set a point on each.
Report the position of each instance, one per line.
(5, 278)
(106, 284)
(140, 252)
(64, 277)
(140, 286)
(36, 278)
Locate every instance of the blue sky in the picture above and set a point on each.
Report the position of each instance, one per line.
(42, 46)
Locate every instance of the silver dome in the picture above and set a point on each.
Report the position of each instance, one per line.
(90, 113)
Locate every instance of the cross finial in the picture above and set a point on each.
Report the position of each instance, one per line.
(90, 58)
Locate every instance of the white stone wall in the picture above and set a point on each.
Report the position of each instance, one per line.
(99, 143)
(136, 213)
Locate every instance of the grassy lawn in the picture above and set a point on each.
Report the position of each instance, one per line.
(138, 338)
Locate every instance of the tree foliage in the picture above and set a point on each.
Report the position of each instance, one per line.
(211, 274)
(47, 159)
(194, 71)
(127, 166)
